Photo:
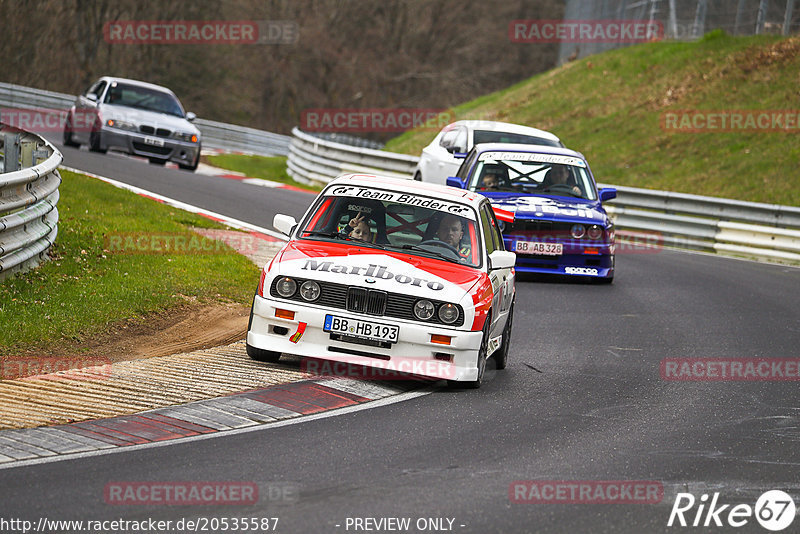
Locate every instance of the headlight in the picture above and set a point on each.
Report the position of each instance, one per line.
(423, 309)
(594, 232)
(188, 137)
(310, 290)
(286, 287)
(121, 125)
(577, 231)
(448, 313)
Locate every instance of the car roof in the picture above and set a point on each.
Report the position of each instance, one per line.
(140, 83)
(412, 187)
(539, 149)
(503, 127)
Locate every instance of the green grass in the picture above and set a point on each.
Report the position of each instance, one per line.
(268, 168)
(89, 286)
(609, 107)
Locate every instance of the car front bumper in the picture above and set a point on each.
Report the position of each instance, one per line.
(175, 150)
(413, 353)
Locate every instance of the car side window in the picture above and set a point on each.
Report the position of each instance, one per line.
(461, 140)
(463, 171)
(448, 138)
(488, 231)
(97, 89)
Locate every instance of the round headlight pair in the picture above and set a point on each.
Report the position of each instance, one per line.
(424, 309)
(309, 290)
(578, 231)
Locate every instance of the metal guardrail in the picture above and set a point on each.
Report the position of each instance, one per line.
(215, 135)
(655, 218)
(312, 159)
(28, 199)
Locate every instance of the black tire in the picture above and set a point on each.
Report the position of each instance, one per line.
(68, 140)
(501, 356)
(604, 281)
(482, 357)
(262, 355)
(417, 177)
(157, 161)
(192, 166)
(95, 142)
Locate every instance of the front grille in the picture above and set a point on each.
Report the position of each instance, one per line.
(160, 150)
(163, 132)
(538, 228)
(367, 301)
(149, 130)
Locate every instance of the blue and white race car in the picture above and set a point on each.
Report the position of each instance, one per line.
(559, 224)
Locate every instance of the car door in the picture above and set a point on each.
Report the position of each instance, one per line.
(87, 108)
(502, 280)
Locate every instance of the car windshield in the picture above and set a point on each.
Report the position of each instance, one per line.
(493, 136)
(531, 173)
(133, 96)
(416, 224)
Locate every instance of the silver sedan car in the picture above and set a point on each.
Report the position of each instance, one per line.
(135, 117)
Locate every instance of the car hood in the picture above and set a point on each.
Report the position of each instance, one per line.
(548, 208)
(394, 272)
(150, 118)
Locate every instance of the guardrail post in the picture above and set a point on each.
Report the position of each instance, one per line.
(11, 152)
(26, 152)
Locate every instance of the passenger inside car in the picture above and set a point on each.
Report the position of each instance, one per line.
(360, 228)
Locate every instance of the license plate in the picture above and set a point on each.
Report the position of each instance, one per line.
(155, 141)
(536, 247)
(361, 329)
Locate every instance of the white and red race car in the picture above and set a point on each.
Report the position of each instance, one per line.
(389, 274)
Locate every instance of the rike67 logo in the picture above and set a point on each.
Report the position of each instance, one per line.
(774, 510)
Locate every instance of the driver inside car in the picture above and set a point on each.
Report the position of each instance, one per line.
(559, 175)
(450, 231)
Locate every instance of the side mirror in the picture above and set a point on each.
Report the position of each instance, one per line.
(454, 181)
(284, 223)
(92, 97)
(190, 116)
(607, 193)
(459, 155)
(502, 259)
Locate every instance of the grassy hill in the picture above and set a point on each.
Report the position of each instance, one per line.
(609, 106)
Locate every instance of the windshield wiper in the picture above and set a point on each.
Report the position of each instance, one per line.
(341, 235)
(439, 255)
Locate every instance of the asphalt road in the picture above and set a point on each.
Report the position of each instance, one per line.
(581, 399)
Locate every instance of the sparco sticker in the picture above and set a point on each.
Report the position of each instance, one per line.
(536, 158)
(403, 198)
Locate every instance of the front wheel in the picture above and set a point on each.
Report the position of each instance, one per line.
(95, 144)
(501, 356)
(475, 384)
(262, 355)
(68, 139)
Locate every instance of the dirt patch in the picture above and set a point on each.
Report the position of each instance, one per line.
(188, 327)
